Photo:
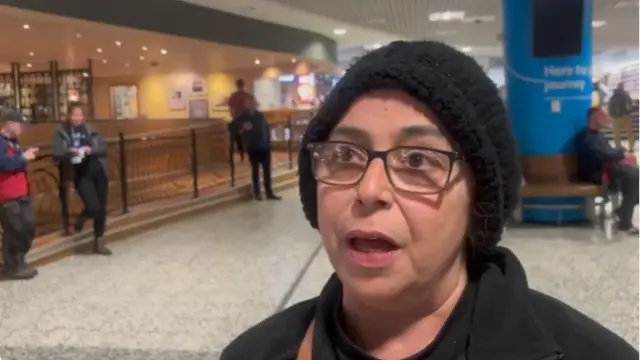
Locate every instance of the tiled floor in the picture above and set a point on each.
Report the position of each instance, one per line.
(184, 290)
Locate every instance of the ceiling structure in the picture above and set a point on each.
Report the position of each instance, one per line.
(115, 51)
(369, 22)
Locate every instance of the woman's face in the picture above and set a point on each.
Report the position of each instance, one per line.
(76, 118)
(383, 241)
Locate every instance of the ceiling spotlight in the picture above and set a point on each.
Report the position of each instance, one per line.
(339, 31)
(78, 35)
(26, 26)
(29, 65)
(446, 16)
(144, 48)
(32, 53)
(99, 50)
(466, 49)
(141, 57)
(118, 43)
(163, 51)
(126, 65)
(294, 60)
(598, 23)
(257, 61)
(104, 61)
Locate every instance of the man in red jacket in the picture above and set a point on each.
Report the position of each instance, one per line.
(17, 217)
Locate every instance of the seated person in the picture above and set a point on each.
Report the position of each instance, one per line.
(595, 155)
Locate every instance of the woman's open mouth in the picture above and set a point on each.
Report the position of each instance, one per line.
(371, 249)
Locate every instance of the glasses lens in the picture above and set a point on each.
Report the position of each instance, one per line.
(419, 170)
(338, 163)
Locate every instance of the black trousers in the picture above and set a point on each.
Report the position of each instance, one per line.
(260, 158)
(626, 179)
(18, 222)
(93, 189)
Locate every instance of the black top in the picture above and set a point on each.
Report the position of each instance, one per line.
(506, 321)
(593, 153)
(90, 165)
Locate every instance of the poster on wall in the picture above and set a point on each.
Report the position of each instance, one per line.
(198, 86)
(176, 100)
(199, 109)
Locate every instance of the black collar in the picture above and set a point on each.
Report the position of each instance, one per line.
(504, 325)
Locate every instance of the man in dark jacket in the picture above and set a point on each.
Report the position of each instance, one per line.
(253, 128)
(17, 217)
(620, 106)
(596, 158)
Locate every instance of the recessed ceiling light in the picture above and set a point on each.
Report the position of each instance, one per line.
(466, 49)
(598, 23)
(99, 50)
(163, 52)
(26, 26)
(294, 60)
(126, 65)
(446, 16)
(256, 61)
(144, 48)
(141, 57)
(78, 35)
(29, 65)
(339, 31)
(32, 53)
(118, 43)
(104, 61)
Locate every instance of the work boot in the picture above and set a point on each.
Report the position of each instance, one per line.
(100, 248)
(24, 273)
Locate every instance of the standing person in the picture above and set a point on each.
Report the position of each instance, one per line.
(83, 151)
(237, 106)
(253, 128)
(620, 107)
(17, 217)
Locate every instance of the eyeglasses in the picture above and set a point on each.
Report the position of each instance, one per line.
(412, 169)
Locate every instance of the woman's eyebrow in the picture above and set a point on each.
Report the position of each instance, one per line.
(352, 133)
(413, 131)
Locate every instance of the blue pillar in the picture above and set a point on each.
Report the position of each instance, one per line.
(548, 98)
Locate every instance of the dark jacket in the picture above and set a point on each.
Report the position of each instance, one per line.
(593, 153)
(509, 321)
(620, 103)
(62, 143)
(257, 137)
(14, 183)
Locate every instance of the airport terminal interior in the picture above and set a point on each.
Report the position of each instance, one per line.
(195, 260)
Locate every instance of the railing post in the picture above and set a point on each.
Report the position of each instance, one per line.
(63, 195)
(290, 142)
(194, 163)
(124, 187)
(232, 163)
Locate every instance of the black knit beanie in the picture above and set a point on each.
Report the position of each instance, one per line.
(468, 106)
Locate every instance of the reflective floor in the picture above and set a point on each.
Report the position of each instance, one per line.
(184, 290)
